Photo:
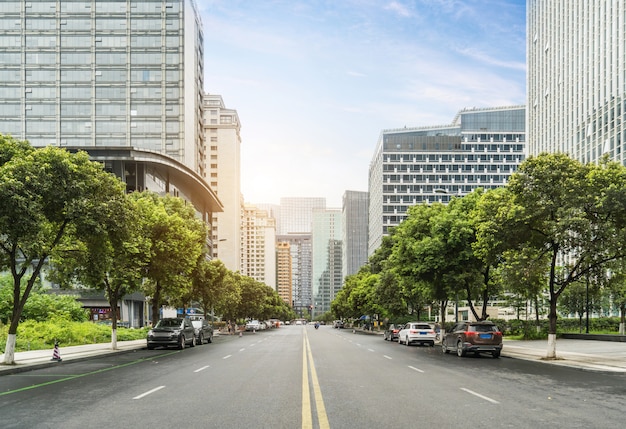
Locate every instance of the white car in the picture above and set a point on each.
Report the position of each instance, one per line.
(253, 325)
(417, 333)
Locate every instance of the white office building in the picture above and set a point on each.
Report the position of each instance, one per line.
(481, 148)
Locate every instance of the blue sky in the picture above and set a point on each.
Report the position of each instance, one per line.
(315, 81)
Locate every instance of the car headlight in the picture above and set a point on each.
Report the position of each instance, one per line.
(150, 333)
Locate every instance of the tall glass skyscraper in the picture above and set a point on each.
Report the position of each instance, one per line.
(576, 53)
(120, 79)
(354, 212)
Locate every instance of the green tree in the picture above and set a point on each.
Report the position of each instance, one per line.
(572, 215)
(177, 239)
(43, 194)
(108, 254)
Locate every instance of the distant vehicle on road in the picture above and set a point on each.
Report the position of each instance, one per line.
(253, 325)
(391, 333)
(473, 337)
(417, 333)
(338, 324)
(204, 331)
(172, 331)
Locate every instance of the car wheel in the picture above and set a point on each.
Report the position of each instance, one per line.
(150, 347)
(496, 354)
(193, 341)
(200, 339)
(181, 342)
(406, 341)
(444, 348)
(460, 352)
(432, 344)
(210, 340)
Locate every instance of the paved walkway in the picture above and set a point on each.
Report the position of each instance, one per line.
(603, 356)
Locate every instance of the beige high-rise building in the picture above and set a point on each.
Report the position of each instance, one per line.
(258, 245)
(222, 134)
(284, 283)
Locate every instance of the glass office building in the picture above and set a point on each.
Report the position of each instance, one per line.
(577, 78)
(120, 79)
(480, 149)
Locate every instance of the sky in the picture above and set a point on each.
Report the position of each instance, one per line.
(314, 82)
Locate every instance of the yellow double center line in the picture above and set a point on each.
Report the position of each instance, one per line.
(307, 411)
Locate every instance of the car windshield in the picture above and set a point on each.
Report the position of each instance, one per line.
(483, 328)
(168, 323)
(422, 327)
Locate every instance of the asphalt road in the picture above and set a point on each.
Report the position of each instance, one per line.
(299, 377)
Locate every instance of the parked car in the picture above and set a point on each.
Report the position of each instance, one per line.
(204, 331)
(417, 333)
(473, 337)
(338, 324)
(253, 325)
(391, 333)
(172, 331)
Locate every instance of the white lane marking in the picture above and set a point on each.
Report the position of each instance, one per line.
(415, 369)
(387, 357)
(149, 392)
(493, 401)
(252, 345)
(371, 350)
(241, 349)
(226, 357)
(201, 369)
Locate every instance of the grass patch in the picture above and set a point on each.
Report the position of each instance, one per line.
(32, 335)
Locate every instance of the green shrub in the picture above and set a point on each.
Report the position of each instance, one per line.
(33, 335)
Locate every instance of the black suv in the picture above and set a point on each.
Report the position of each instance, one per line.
(174, 331)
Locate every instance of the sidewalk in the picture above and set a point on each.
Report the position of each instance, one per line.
(601, 356)
(588, 355)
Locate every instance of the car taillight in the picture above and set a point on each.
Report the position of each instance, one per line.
(470, 333)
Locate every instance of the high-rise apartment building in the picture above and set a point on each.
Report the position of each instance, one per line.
(222, 134)
(354, 213)
(480, 149)
(258, 245)
(301, 250)
(121, 80)
(327, 270)
(577, 78)
(284, 285)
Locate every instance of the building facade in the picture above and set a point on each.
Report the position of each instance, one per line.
(222, 135)
(258, 245)
(284, 284)
(354, 213)
(120, 80)
(576, 79)
(296, 214)
(327, 270)
(301, 250)
(480, 149)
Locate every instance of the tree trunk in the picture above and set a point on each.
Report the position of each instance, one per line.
(552, 317)
(622, 312)
(155, 304)
(9, 354)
